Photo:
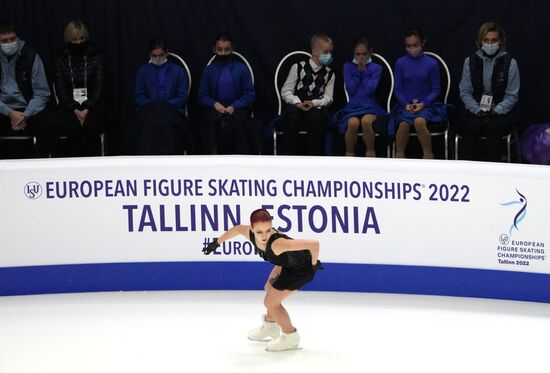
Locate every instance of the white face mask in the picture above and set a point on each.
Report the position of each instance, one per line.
(9, 49)
(158, 62)
(414, 51)
(490, 49)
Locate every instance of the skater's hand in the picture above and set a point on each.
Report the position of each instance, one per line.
(317, 265)
(212, 246)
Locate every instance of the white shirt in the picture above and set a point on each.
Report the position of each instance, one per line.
(287, 92)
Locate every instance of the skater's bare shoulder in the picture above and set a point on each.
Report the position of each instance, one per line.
(282, 245)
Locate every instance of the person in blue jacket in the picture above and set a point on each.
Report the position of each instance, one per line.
(227, 93)
(489, 90)
(417, 88)
(24, 93)
(161, 97)
(361, 77)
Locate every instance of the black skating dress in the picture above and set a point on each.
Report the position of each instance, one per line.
(296, 268)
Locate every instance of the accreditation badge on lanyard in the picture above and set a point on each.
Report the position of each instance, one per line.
(485, 103)
(80, 95)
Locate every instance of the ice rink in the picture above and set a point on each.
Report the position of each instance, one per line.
(205, 331)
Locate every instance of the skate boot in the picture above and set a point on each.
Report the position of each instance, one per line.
(266, 332)
(285, 342)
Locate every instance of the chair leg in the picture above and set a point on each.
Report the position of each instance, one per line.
(274, 142)
(508, 148)
(102, 139)
(457, 137)
(447, 144)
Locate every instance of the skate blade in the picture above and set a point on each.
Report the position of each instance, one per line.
(286, 349)
(260, 340)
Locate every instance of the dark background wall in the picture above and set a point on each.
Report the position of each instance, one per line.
(264, 31)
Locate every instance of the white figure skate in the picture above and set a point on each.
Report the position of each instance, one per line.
(285, 342)
(268, 331)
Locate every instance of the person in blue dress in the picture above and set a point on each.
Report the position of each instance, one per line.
(417, 87)
(361, 77)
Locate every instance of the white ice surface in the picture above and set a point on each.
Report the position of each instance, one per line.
(198, 331)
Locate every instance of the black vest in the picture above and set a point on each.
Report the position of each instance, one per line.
(306, 77)
(499, 79)
(23, 72)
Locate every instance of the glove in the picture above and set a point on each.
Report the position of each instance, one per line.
(212, 246)
(317, 266)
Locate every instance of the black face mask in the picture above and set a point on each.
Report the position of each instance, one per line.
(223, 58)
(80, 48)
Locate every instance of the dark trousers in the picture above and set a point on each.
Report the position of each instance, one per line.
(228, 129)
(492, 127)
(296, 120)
(162, 129)
(39, 126)
(82, 139)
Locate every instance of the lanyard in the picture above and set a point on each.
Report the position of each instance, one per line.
(85, 71)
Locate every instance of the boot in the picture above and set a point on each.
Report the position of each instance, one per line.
(266, 332)
(285, 342)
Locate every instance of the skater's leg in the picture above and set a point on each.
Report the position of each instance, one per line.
(276, 310)
(275, 272)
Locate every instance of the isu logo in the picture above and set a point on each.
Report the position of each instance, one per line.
(33, 190)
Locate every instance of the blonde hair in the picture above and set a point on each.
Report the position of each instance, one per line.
(318, 38)
(75, 28)
(489, 27)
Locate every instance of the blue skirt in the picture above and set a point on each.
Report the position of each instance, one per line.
(341, 117)
(437, 112)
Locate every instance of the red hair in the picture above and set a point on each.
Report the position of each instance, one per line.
(258, 216)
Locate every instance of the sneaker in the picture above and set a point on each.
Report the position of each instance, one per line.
(268, 331)
(285, 342)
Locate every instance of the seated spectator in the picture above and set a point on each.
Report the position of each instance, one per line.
(161, 96)
(489, 89)
(79, 79)
(227, 93)
(24, 91)
(417, 87)
(308, 91)
(361, 77)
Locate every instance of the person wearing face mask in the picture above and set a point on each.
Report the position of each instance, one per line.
(308, 91)
(417, 87)
(361, 77)
(489, 90)
(161, 96)
(79, 81)
(226, 94)
(24, 92)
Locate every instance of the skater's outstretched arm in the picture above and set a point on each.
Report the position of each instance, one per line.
(283, 245)
(229, 234)
(235, 231)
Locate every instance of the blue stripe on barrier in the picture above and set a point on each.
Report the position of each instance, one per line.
(252, 276)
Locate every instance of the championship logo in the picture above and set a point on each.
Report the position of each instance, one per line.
(521, 212)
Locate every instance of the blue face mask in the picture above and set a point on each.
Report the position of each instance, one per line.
(490, 49)
(9, 49)
(325, 59)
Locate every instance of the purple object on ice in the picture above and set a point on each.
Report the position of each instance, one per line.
(535, 144)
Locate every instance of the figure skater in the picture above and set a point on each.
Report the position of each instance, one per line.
(296, 262)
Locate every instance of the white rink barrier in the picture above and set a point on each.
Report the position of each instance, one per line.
(385, 225)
